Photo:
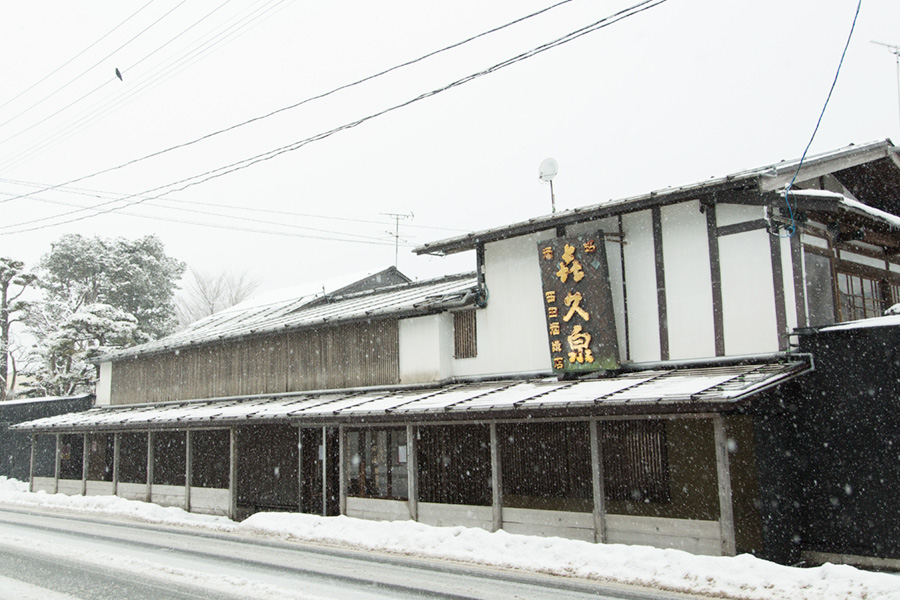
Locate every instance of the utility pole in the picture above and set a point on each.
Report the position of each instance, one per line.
(895, 50)
(396, 217)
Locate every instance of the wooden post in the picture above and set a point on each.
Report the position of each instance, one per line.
(56, 467)
(496, 480)
(31, 466)
(117, 453)
(232, 474)
(149, 466)
(412, 473)
(597, 482)
(723, 471)
(324, 471)
(188, 466)
(342, 469)
(300, 469)
(85, 460)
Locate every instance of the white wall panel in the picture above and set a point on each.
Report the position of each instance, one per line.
(640, 280)
(424, 352)
(104, 384)
(511, 330)
(689, 306)
(790, 298)
(732, 214)
(748, 296)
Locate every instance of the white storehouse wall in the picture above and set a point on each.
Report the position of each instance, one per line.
(689, 304)
(640, 279)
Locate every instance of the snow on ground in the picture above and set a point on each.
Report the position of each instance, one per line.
(740, 577)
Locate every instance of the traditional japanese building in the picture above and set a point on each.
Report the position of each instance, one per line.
(622, 372)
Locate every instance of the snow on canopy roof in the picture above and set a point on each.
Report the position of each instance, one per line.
(256, 319)
(764, 179)
(658, 390)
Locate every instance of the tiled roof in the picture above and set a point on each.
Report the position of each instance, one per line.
(658, 390)
(398, 300)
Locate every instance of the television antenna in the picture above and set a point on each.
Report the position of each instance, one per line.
(396, 233)
(895, 50)
(547, 171)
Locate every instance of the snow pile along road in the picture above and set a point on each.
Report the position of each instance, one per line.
(743, 577)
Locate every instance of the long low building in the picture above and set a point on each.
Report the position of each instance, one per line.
(623, 372)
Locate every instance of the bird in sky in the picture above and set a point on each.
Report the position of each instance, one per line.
(118, 74)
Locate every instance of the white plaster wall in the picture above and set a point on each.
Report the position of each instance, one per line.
(104, 384)
(689, 307)
(424, 352)
(748, 297)
(640, 281)
(790, 298)
(731, 214)
(511, 330)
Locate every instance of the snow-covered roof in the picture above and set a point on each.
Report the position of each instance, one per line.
(657, 390)
(44, 399)
(253, 319)
(887, 321)
(761, 180)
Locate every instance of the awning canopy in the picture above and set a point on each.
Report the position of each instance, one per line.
(696, 389)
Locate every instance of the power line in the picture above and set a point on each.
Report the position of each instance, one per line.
(302, 102)
(792, 228)
(105, 195)
(74, 58)
(95, 65)
(248, 162)
(164, 71)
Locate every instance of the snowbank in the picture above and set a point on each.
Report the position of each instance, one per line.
(743, 577)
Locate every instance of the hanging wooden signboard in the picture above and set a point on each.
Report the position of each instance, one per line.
(581, 325)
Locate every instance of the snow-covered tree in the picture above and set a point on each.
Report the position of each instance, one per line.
(13, 282)
(98, 295)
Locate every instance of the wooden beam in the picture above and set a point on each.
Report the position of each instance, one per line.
(188, 468)
(412, 472)
(117, 454)
(85, 459)
(150, 454)
(232, 473)
(300, 470)
(723, 476)
(342, 469)
(496, 480)
(31, 464)
(56, 468)
(597, 484)
(324, 470)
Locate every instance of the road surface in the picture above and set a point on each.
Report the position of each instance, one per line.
(58, 556)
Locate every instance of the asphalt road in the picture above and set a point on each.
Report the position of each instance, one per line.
(56, 556)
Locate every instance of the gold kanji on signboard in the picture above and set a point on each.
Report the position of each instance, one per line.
(574, 301)
(578, 343)
(554, 328)
(556, 346)
(590, 246)
(547, 253)
(551, 297)
(570, 266)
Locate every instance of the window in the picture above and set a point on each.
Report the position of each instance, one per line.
(101, 451)
(455, 464)
(133, 457)
(635, 461)
(546, 466)
(860, 297)
(71, 456)
(378, 460)
(464, 342)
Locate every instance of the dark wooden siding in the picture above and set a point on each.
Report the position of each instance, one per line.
(357, 354)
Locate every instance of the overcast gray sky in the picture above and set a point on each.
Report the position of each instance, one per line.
(678, 93)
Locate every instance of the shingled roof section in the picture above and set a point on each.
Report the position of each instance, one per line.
(399, 300)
